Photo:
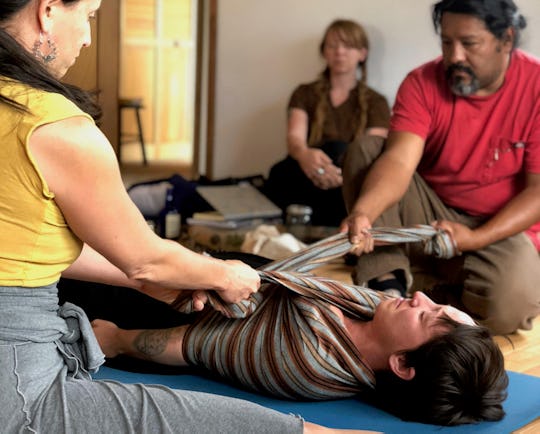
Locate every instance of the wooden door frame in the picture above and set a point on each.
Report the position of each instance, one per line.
(97, 70)
(206, 62)
(108, 67)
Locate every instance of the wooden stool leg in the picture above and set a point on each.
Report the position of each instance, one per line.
(141, 137)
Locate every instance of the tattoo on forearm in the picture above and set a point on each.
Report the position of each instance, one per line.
(152, 342)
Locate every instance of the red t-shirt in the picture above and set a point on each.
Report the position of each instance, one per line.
(477, 149)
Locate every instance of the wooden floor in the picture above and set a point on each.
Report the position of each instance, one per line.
(137, 172)
(521, 350)
(522, 354)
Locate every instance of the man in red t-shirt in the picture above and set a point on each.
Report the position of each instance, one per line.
(463, 154)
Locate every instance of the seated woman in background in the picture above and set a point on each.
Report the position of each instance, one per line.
(324, 117)
(306, 337)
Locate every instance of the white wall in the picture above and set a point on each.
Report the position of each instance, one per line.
(267, 47)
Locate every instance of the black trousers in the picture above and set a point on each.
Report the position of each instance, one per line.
(287, 184)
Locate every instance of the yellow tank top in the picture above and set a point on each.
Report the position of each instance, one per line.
(36, 244)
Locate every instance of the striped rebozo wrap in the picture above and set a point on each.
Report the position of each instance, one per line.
(285, 340)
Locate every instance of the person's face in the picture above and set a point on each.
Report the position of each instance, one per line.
(405, 324)
(341, 57)
(70, 31)
(475, 60)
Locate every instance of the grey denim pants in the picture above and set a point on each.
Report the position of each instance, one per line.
(498, 285)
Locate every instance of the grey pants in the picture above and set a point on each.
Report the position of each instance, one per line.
(498, 285)
(46, 386)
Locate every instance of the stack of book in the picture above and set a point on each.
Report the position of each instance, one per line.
(235, 206)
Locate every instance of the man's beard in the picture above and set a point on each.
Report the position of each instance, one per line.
(457, 84)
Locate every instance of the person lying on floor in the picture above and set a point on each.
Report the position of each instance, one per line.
(312, 338)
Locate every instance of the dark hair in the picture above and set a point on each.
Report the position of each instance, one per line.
(498, 15)
(459, 378)
(18, 64)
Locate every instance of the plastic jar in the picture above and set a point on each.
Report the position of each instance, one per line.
(298, 220)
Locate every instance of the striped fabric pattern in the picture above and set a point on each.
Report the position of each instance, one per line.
(293, 346)
(436, 243)
(285, 340)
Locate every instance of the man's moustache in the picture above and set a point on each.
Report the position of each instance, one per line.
(456, 67)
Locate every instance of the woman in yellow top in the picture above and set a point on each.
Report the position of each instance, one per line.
(64, 211)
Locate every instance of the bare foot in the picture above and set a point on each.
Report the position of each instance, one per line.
(108, 337)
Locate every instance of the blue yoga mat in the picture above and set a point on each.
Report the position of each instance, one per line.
(522, 405)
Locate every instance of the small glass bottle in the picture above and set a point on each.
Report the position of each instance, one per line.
(171, 219)
(298, 220)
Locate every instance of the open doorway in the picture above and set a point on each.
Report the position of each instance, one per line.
(158, 62)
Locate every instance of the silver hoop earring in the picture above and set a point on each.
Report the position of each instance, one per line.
(51, 52)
